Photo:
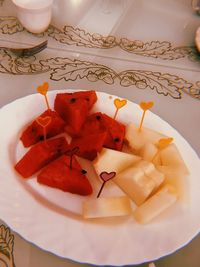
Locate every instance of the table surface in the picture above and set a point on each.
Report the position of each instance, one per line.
(135, 49)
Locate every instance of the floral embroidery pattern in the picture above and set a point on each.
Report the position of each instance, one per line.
(74, 36)
(6, 247)
(156, 49)
(61, 68)
(10, 25)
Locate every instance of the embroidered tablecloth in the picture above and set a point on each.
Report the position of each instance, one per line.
(138, 50)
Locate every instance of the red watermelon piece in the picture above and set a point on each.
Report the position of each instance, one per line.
(73, 111)
(89, 96)
(74, 108)
(35, 132)
(99, 122)
(116, 133)
(59, 175)
(40, 155)
(93, 125)
(89, 145)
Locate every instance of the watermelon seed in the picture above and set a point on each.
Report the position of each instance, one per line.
(98, 117)
(83, 171)
(73, 100)
(87, 99)
(41, 137)
(33, 130)
(116, 140)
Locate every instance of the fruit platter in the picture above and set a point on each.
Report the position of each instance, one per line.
(83, 166)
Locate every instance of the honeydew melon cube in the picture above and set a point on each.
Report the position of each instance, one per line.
(155, 205)
(127, 149)
(137, 139)
(157, 161)
(170, 156)
(150, 171)
(178, 179)
(107, 207)
(149, 152)
(147, 167)
(135, 184)
(158, 178)
(109, 160)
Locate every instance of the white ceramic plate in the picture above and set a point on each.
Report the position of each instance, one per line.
(50, 218)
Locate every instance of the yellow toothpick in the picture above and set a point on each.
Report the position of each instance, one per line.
(144, 106)
(43, 89)
(119, 104)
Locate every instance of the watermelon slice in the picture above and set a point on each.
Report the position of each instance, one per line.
(116, 133)
(40, 155)
(99, 122)
(89, 96)
(93, 124)
(89, 145)
(74, 108)
(35, 132)
(59, 175)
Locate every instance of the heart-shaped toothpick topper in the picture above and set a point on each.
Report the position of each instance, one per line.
(43, 89)
(44, 121)
(146, 105)
(164, 142)
(119, 104)
(105, 176)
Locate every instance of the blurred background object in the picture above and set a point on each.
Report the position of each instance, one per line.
(196, 6)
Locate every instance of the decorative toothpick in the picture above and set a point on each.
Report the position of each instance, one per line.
(43, 89)
(105, 176)
(144, 106)
(163, 143)
(119, 104)
(44, 122)
(71, 153)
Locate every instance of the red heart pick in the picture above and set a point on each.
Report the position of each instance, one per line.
(106, 176)
(72, 151)
(44, 121)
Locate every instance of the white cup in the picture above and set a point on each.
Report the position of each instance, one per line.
(34, 15)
